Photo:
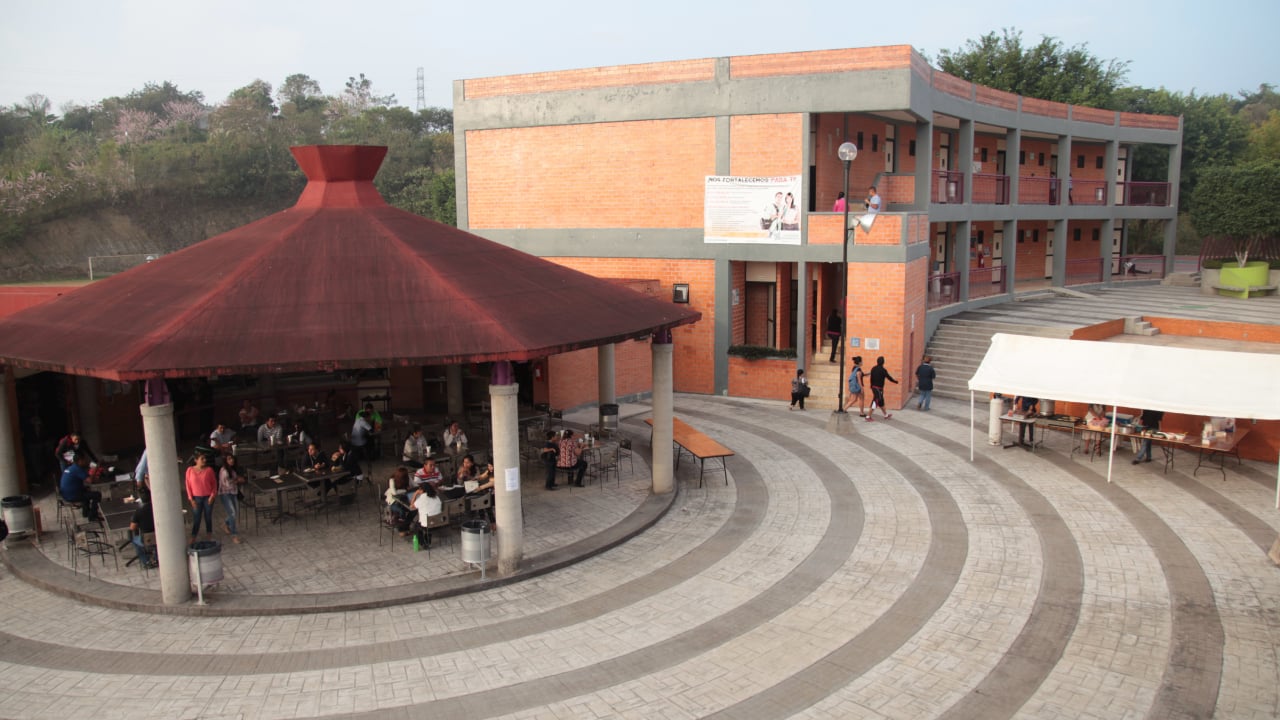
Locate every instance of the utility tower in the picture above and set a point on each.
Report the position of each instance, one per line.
(422, 90)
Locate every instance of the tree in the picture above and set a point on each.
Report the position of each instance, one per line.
(1048, 70)
(358, 96)
(1239, 202)
(300, 94)
(1264, 140)
(1256, 107)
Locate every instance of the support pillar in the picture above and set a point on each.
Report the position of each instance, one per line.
(506, 460)
(960, 247)
(9, 479)
(924, 165)
(663, 413)
(87, 410)
(166, 496)
(453, 392)
(605, 387)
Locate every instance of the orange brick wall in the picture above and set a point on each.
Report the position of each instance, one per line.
(1091, 153)
(1030, 254)
(1086, 246)
(598, 77)
(694, 344)
(1093, 115)
(1100, 331)
(1219, 330)
(883, 298)
(1033, 168)
(573, 377)
(764, 145)
(906, 161)
(556, 177)
(830, 170)
(768, 379)
(823, 61)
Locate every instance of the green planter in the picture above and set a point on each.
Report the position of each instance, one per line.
(1240, 282)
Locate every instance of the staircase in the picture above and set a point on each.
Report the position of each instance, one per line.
(824, 377)
(1182, 279)
(960, 344)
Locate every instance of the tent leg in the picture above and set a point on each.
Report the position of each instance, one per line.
(971, 441)
(1111, 456)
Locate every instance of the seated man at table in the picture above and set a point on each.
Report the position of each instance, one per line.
(221, 437)
(549, 453)
(427, 474)
(415, 448)
(270, 432)
(1026, 407)
(143, 522)
(453, 435)
(248, 416)
(570, 457)
(315, 458)
(299, 435)
(1150, 421)
(345, 461)
(428, 503)
(74, 487)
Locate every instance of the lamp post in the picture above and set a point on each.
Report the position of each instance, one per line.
(847, 152)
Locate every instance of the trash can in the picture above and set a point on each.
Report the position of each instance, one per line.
(475, 543)
(18, 515)
(204, 560)
(608, 418)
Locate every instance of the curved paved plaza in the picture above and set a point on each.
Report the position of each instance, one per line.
(880, 575)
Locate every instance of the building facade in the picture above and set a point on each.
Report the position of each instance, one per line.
(985, 193)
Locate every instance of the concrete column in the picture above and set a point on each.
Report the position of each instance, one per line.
(1009, 255)
(605, 372)
(1064, 170)
(802, 311)
(453, 391)
(9, 480)
(1171, 226)
(960, 250)
(87, 409)
(663, 412)
(964, 159)
(1060, 240)
(166, 502)
(1012, 146)
(1105, 237)
(506, 459)
(924, 164)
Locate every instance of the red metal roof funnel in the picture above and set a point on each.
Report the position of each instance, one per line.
(339, 176)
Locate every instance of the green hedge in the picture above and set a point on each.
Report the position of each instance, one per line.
(761, 352)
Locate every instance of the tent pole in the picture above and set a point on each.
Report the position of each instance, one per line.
(971, 444)
(1111, 456)
(1278, 484)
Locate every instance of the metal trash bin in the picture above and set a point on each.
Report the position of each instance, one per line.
(608, 418)
(18, 515)
(475, 543)
(204, 561)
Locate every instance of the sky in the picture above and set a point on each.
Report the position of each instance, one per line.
(81, 51)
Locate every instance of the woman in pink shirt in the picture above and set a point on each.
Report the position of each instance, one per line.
(202, 485)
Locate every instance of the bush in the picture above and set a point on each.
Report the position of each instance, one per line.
(761, 352)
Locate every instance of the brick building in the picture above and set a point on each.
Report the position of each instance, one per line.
(985, 193)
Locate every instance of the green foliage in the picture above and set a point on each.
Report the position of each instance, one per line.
(1239, 202)
(1047, 70)
(761, 352)
(427, 193)
(1264, 139)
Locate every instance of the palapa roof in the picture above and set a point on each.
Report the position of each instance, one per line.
(339, 281)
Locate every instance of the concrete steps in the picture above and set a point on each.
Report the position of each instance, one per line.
(960, 343)
(824, 379)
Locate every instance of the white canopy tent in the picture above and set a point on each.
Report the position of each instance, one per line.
(1213, 383)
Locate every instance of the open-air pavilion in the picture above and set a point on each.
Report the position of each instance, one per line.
(340, 281)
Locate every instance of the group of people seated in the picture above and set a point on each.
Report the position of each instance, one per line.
(418, 447)
(413, 499)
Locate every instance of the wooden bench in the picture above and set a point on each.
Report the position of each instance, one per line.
(1244, 292)
(697, 444)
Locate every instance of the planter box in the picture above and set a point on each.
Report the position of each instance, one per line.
(1235, 281)
(1209, 281)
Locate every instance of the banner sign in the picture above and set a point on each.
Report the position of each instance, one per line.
(757, 210)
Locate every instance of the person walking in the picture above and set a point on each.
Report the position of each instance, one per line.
(229, 481)
(835, 331)
(855, 387)
(878, 376)
(799, 390)
(924, 382)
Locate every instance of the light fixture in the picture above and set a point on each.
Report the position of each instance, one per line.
(680, 293)
(847, 152)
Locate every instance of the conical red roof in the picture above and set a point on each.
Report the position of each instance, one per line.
(340, 280)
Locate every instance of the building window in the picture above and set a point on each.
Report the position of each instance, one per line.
(1040, 160)
(1097, 234)
(1075, 235)
(1080, 161)
(1035, 235)
(911, 148)
(858, 140)
(1022, 236)
(1022, 157)
(875, 142)
(984, 154)
(1098, 162)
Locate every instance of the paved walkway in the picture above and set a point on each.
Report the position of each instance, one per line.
(877, 576)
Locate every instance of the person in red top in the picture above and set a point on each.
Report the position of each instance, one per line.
(570, 457)
(202, 485)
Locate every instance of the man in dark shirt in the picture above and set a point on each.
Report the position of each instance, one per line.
(1026, 406)
(878, 375)
(344, 459)
(1150, 421)
(550, 451)
(74, 487)
(70, 446)
(143, 522)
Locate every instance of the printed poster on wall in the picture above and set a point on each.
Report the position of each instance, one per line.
(757, 210)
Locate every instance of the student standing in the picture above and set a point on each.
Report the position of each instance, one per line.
(799, 390)
(924, 382)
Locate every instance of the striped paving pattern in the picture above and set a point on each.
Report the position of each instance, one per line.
(881, 575)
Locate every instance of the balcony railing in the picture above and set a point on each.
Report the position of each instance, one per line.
(1138, 267)
(1151, 194)
(989, 189)
(985, 282)
(1087, 192)
(1084, 271)
(1038, 191)
(948, 187)
(944, 289)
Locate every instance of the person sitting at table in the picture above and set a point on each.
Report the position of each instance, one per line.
(427, 502)
(270, 432)
(221, 437)
(1096, 420)
(1150, 421)
(299, 435)
(74, 487)
(415, 448)
(248, 416)
(142, 522)
(484, 478)
(69, 447)
(466, 470)
(229, 481)
(570, 457)
(397, 495)
(453, 435)
(1026, 407)
(427, 474)
(315, 458)
(550, 451)
(344, 460)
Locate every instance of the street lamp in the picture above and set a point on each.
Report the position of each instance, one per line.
(847, 152)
